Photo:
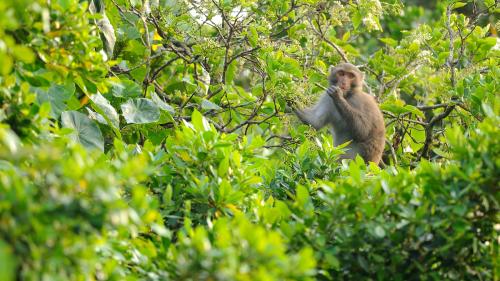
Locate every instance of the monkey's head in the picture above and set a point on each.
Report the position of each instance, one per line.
(347, 77)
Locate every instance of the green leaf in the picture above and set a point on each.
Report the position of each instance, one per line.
(379, 231)
(356, 19)
(231, 72)
(346, 36)
(488, 43)
(85, 131)
(129, 32)
(7, 262)
(458, 5)
(167, 195)
(124, 88)
(206, 104)
(417, 138)
(107, 109)
(96, 6)
(332, 261)
(9, 141)
(488, 110)
(140, 111)
(107, 31)
(291, 66)
(24, 54)
(489, 3)
(394, 106)
(135, 3)
(223, 167)
(6, 63)
(302, 195)
(414, 110)
(253, 36)
(161, 104)
(354, 170)
(389, 41)
(204, 80)
(441, 153)
(65, 4)
(107, 35)
(199, 122)
(56, 96)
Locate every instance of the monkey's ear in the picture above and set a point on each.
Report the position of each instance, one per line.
(330, 69)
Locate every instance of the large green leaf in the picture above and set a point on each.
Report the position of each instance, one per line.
(85, 132)
(107, 109)
(163, 105)
(56, 96)
(124, 88)
(140, 111)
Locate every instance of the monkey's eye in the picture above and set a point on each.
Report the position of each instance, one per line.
(350, 75)
(341, 73)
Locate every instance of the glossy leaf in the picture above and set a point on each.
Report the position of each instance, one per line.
(140, 111)
(85, 131)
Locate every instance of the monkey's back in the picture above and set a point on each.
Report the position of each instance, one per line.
(372, 147)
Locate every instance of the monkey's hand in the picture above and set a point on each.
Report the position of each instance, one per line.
(290, 106)
(334, 92)
(289, 109)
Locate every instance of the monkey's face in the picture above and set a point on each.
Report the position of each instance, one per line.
(345, 80)
(347, 77)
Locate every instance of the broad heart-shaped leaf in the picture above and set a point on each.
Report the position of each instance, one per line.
(107, 109)
(96, 116)
(85, 132)
(140, 111)
(163, 105)
(56, 96)
(124, 88)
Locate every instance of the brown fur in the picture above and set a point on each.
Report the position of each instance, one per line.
(352, 116)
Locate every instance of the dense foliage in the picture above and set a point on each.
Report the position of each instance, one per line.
(151, 140)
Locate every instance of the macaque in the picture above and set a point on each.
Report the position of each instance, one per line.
(352, 115)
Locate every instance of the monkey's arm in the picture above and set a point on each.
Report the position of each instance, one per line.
(318, 115)
(359, 123)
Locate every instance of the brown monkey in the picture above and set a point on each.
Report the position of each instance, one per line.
(351, 114)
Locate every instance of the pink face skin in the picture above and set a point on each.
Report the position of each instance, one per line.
(345, 80)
